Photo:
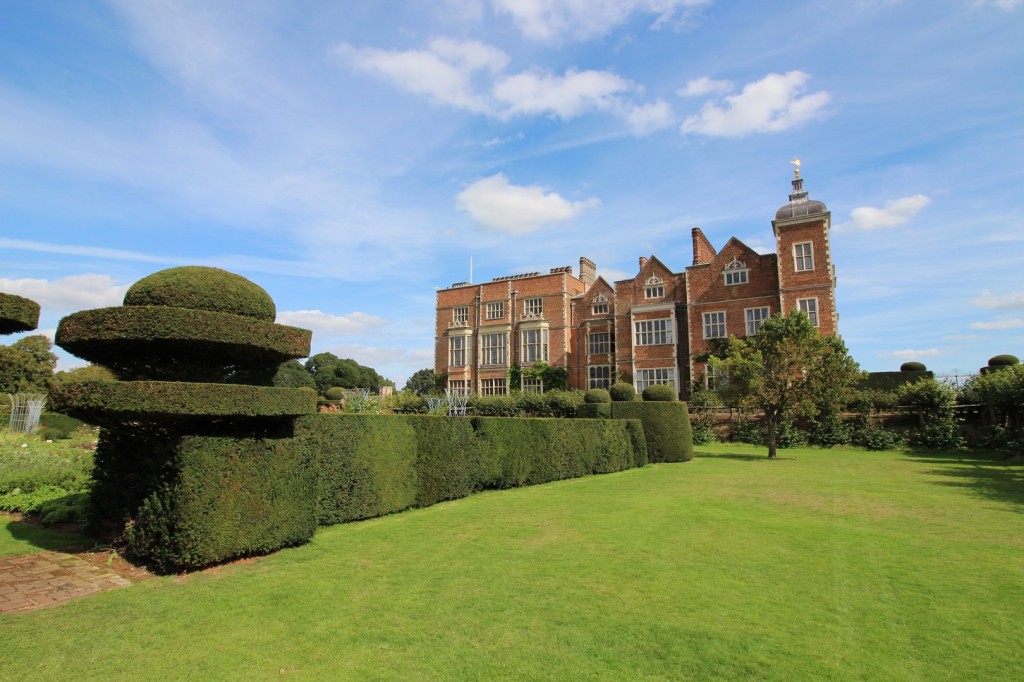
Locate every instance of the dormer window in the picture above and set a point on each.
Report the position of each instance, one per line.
(600, 305)
(654, 287)
(736, 272)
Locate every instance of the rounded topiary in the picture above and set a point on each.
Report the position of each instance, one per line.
(1003, 361)
(660, 393)
(597, 395)
(17, 314)
(334, 393)
(913, 367)
(202, 288)
(621, 392)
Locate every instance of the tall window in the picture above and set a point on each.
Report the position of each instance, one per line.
(649, 377)
(533, 307)
(803, 256)
(809, 306)
(461, 386)
(599, 342)
(599, 376)
(460, 315)
(714, 325)
(457, 351)
(715, 378)
(532, 385)
(494, 349)
(496, 311)
(493, 387)
(534, 346)
(600, 305)
(653, 332)
(755, 316)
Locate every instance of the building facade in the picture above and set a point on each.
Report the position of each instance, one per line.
(656, 328)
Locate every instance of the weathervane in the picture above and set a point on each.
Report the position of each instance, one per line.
(796, 167)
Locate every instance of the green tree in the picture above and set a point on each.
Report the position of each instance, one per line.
(1002, 392)
(787, 370)
(328, 371)
(89, 372)
(292, 374)
(426, 382)
(27, 365)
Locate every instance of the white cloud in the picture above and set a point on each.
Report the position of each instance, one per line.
(72, 293)
(648, 118)
(771, 104)
(352, 324)
(912, 354)
(1003, 323)
(444, 71)
(1005, 5)
(498, 205)
(554, 20)
(1011, 301)
(704, 85)
(895, 213)
(565, 96)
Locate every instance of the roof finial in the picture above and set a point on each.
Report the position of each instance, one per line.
(796, 167)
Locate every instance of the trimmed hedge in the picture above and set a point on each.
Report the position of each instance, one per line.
(622, 392)
(913, 367)
(17, 314)
(371, 465)
(660, 393)
(890, 381)
(222, 497)
(106, 402)
(594, 411)
(1003, 361)
(597, 395)
(174, 344)
(666, 428)
(202, 288)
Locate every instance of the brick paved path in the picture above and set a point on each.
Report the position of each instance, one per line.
(32, 581)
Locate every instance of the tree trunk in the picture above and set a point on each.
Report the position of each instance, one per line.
(769, 423)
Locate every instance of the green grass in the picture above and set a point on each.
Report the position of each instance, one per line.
(836, 565)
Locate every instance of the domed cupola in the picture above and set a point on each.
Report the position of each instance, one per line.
(799, 204)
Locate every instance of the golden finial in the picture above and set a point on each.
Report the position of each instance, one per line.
(796, 167)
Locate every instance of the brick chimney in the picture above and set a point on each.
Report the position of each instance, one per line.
(703, 252)
(588, 272)
(643, 262)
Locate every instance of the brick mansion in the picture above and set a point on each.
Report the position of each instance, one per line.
(651, 329)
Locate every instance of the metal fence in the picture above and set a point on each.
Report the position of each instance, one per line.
(26, 408)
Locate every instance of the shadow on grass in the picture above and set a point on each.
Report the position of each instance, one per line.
(747, 457)
(981, 474)
(65, 539)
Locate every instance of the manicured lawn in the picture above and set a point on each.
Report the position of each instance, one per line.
(836, 565)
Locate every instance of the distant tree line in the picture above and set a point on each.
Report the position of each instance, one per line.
(324, 371)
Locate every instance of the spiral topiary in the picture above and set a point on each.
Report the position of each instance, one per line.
(621, 392)
(596, 396)
(913, 367)
(659, 393)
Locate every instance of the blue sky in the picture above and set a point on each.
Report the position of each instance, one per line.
(351, 157)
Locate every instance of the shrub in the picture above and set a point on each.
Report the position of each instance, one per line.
(17, 314)
(622, 392)
(597, 396)
(660, 393)
(829, 430)
(407, 402)
(56, 426)
(748, 431)
(335, 393)
(913, 367)
(666, 428)
(870, 436)
(202, 288)
(1003, 361)
(563, 403)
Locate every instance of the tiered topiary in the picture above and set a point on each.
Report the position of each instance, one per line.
(17, 314)
(998, 362)
(193, 473)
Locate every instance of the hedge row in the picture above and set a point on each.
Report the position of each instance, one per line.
(370, 465)
(160, 343)
(890, 381)
(17, 314)
(666, 425)
(113, 402)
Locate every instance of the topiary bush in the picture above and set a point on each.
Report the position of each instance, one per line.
(1003, 361)
(622, 392)
(335, 393)
(202, 288)
(597, 396)
(913, 367)
(660, 393)
(17, 314)
(666, 428)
